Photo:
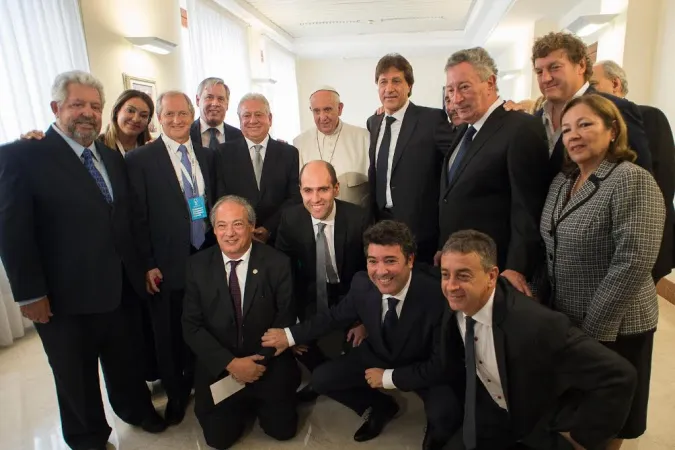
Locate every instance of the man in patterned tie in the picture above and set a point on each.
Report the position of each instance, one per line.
(234, 292)
(173, 189)
(66, 243)
(213, 99)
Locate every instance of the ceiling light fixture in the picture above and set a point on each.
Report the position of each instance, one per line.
(590, 24)
(152, 44)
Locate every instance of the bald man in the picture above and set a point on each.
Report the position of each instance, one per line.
(343, 145)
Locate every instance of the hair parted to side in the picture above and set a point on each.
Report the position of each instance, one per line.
(612, 119)
(398, 62)
(574, 47)
(65, 79)
(212, 81)
(390, 232)
(191, 108)
(256, 97)
(613, 71)
(472, 241)
(250, 212)
(112, 130)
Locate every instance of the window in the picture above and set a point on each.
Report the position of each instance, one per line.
(284, 93)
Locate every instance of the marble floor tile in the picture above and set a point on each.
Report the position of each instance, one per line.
(29, 413)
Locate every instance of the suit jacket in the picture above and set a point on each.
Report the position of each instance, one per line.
(601, 247)
(424, 140)
(637, 139)
(296, 238)
(660, 137)
(231, 133)
(499, 188)
(279, 183)
(414, 357)
(540, 356)
(160, 213)
(58, 235)
(209, 319)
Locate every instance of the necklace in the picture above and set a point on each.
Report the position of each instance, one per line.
(318, 147)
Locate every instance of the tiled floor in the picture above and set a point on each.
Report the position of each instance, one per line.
(29, 416)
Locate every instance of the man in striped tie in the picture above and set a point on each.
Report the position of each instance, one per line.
(173, 188)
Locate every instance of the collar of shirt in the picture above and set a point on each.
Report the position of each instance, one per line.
(335, 132)
(204, 127)
(401, 295)
(548, 106)
(398, 115)
(480, 122)
(77, 147)
(330, 220)
(244, 258)
(173, 145)
(484, 316)
(264, 143)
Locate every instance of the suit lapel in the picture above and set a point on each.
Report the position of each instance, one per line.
(252, 279)
(270, 165)
(200, 154)
(248, 174)
(219, 277)
(499, 311)
(114, 176)
(374, 133)
(374, 300)
(165, 167)
(340, 237)
(407, 128)
(459, 135)
(410, 313)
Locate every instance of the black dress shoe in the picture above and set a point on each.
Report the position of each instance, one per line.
(376, 419)
(429, 443)
(306, 394)
(153, 423)
(175, 411)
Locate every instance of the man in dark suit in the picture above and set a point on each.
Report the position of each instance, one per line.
(66, 243)
(234, 292)
(324, 239)
(563, 69)
(531, 379)
(401, 309)
(173, 186)
(258, 168)
(407, 146)
(610, 78)
(492, 178)
(210, 130)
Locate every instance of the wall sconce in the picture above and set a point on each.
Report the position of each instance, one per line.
(586, 25)
(152, 44)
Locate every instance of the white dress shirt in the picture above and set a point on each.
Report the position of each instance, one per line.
(484, 344)
(263, 150)
(329, 231)
(395, 131)
(175, 156)
(553, 134)
(206, 134)
(242, 270)
(477, 125)
(388, 376)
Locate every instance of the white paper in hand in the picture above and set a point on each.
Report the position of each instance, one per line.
(222, 389)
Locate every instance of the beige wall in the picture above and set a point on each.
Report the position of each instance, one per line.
(107, 22)
(663, 94)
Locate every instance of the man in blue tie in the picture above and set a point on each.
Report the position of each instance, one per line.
(173, 189)
(66, 242)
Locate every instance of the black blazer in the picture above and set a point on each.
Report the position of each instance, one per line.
(209, 320)
(231, 133)
(424, 140)
(637, 139)
(160, 213)
(279, 184)
(500, 187)
(660, 137)
(414, 358)
(540, 356)
(296, 238)
(58, 235)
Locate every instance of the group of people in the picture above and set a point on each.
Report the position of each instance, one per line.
(500, 264)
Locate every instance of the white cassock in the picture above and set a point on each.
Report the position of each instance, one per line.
(347, 150)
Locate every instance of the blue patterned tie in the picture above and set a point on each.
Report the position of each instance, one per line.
(461, 152)
(196, 226)
(88, 160)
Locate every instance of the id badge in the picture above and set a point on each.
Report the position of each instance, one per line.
(197, 208)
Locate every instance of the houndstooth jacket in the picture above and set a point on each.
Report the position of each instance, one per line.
(601, 246)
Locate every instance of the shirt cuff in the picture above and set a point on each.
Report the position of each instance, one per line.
(28, 302)
(289, 337)
(388, 379)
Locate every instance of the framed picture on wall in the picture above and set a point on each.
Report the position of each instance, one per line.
(146, 86)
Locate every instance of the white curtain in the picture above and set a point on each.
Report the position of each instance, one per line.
(218, 47)
(38, 40)
(284, 93)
